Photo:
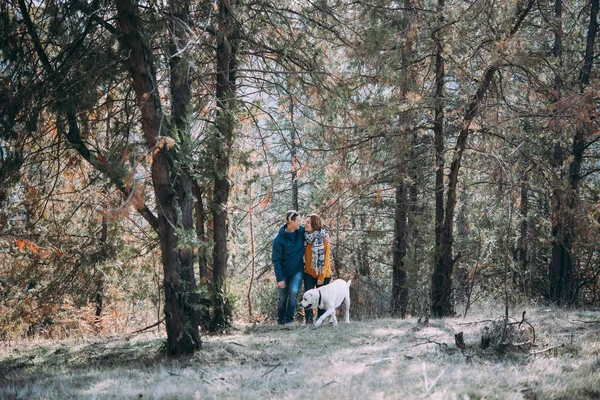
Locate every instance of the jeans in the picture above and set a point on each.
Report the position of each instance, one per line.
(287, 298)
(310, 283)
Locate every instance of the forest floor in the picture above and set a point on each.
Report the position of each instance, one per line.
(553, 354)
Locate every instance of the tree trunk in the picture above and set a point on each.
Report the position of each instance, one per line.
(173, 200)
(399, 276)
(200, 214)
(441, 280)
(441, 283)
(399, 305)
(293, 151)
(226, 53)
(363, 248)
(561, 265)
(521, 253)
(181, 99)
(98, 300)
(438, 130)
(252, 257)
(227, 42)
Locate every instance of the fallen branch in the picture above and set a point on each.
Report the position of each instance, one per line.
(429, 341)
(522, 344)
(527, 322)
(428, 387)
(268, 364)
(546, 350)
(272, 369)
(146, 328)
(380, 361)
(476, 322)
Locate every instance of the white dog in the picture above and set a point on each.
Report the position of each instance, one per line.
(328, 298)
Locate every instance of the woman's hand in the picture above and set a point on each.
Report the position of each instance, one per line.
(319, 283)
(281, 284)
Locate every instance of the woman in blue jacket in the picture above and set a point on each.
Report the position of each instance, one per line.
(288, 261)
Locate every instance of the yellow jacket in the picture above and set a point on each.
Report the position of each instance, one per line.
(309, 268)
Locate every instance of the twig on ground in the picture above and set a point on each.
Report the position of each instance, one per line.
(272, 369)
(380, 361)
(429, 341)
(146, 328)
(522, 344)
(329, 383)
(476, 322)
(531, 326)
(586, 322)
(267, 364)
(546, 349)
(426, 382)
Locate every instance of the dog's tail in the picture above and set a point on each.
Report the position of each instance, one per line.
(349, 282)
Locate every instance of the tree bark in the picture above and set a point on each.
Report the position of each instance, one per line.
(363, 253)
(438, 129)
(441, 280)
(222, 141)
(293, 151)
(562, 284)
(200, 214)
(227, 42)
(98, 298)
(173, 198)
(399, 304)
(521, 251)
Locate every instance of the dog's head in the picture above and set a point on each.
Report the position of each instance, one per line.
(310, 298)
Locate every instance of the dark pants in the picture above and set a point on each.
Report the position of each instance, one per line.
(287, 298)
(311, 283)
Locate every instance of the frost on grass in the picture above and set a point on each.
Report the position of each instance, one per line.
(383, 358)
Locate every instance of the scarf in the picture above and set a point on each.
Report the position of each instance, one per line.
(318, 249)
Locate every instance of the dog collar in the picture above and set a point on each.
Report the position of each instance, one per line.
(319, 303)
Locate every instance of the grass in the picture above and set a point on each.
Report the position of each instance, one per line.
(376, 359)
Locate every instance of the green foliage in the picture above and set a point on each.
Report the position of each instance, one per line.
(216, 308)
(264, 301)
(339, 95)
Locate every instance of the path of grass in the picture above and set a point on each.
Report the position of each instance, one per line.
(385, 358)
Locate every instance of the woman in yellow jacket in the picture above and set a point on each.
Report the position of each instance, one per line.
(317, 265)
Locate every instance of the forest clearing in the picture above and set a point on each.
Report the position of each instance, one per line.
(374, 359)
(169, 168)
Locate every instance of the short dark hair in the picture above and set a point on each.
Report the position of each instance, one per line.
(291, 215)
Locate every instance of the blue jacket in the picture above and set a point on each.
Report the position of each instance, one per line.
(288, 253)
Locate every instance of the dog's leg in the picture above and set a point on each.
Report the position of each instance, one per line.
(333, 318)
(325, 315)
(347, 301)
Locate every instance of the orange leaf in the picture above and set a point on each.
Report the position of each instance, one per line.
(266, 201)
(20, 244)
